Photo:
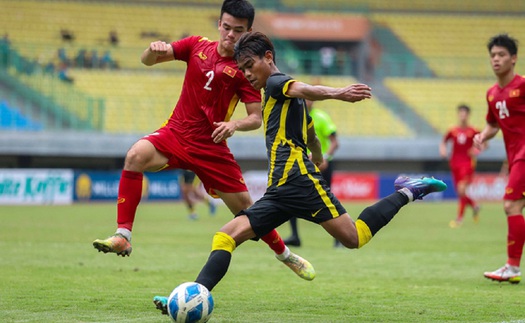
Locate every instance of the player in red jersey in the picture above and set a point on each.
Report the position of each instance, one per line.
(194, 136)
(462, 162)
(506, 111)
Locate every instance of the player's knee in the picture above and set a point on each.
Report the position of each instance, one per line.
(512, 207)
(350, 243)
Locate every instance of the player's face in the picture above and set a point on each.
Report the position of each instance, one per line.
(463, 116)
(256, 69)
(501, 60)
(230, 30)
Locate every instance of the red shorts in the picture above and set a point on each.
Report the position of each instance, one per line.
(213, 163)
(462, 173)
(515, 189)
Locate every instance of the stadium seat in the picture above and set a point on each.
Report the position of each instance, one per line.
(436, 100)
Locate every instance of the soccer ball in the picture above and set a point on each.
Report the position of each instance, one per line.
(190, 302)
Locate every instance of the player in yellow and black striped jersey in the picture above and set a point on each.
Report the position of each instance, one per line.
(295, 185)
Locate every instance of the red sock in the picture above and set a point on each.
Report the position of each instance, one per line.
(129, 194)
(274, 241)
(461, 209)
(515, 239)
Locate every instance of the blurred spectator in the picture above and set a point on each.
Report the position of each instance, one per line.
(327, 54)
(80, 59)
(49, 68)
(63, 73)
(113, 38)
(67, 35)
(106, 61)
(62, 56)
(4, 50)
(91, 60)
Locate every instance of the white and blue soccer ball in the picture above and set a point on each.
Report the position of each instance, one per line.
(190, 303)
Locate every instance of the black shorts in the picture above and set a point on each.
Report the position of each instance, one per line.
(307, 197)
(189, 176)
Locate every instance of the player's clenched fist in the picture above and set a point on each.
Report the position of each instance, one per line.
(159, 47)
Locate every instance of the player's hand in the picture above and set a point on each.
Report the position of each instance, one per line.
(478, 141)
(355, 93)
(159, 47)
(317, 159)
(223, 131)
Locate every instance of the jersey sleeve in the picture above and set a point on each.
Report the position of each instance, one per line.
(490, 117)
(182, 48)
(277, 85)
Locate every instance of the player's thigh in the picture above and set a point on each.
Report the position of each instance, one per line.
(343, 229)
(143, 156)
(514, 207)
(236, 202)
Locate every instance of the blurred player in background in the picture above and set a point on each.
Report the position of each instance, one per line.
(327, 133)
(506, 111)
(295, 185)
(194, 136)
(193, 192)
(462, 162)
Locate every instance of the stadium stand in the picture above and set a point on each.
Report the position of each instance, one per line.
(449, 6)
(437, 99)
(38, 24)
(425, 46)
(135, 102)
(453, 45)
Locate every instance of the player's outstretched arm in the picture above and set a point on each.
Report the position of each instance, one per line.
(351, 93)
(157, 52)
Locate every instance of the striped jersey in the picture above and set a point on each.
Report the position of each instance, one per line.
(286, 121)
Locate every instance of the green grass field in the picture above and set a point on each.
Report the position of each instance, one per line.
(414, 270)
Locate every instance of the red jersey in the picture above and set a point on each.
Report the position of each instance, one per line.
(213, 85)
(507, 109)
(462, 142)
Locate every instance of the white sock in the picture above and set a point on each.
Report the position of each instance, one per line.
(284, 255)
(408, 193)
(125, 232)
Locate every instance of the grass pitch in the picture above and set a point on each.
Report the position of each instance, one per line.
(414, 270)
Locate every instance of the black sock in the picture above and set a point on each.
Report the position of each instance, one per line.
(214, 269)
(293, 224)
(378, 215)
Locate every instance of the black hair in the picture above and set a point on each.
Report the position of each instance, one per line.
(253, 44)
(504, 40)
(239, 9)
(464, 107)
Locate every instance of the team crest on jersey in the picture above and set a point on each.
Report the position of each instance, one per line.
(514, 93)
(491, 98)
(509, 190)
(229, 71)
(202, 56)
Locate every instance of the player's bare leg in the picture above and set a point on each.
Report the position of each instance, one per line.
(141, 157)
(237, 202)
(510, 272)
